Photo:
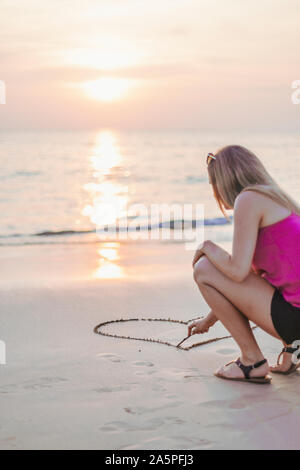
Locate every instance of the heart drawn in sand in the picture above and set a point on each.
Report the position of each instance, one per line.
(98, 331)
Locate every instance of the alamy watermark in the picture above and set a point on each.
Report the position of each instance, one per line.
(2, 92)
(296, 94)
(2, 353)
(179, 222)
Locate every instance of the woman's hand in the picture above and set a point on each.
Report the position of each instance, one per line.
(199, 327)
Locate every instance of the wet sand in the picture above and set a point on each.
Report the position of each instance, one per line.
(64, 387)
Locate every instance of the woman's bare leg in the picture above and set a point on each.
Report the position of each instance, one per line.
(234, 304)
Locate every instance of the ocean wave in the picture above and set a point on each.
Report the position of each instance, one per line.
(68, 234)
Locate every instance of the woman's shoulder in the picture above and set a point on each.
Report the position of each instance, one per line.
(249, 200)
(248, 209)
(255, 205)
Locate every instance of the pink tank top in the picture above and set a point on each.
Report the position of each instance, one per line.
(277, 257)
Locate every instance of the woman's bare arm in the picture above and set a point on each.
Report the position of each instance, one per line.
(247, 216)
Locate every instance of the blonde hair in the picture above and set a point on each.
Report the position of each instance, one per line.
(236, 169)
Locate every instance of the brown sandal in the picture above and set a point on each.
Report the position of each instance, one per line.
(293, 367)
(246, 371)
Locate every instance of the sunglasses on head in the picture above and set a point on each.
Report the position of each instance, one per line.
(209, 158)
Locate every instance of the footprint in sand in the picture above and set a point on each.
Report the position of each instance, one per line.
(145, 368)
(111, 357)
(193, 373)
(41, 383)
(112, 426)
(45, 382)
(135, 424)
(118, 388)
(174, 420)
(226, 404)
(178, 375)
(194, 378)
(188, 443)
(143, 410)
(143, 364)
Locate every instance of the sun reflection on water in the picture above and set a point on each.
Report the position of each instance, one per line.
(110, 254)
(108, 268)
(105, 153)
(109, 200)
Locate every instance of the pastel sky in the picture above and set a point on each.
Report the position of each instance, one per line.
(141, 64)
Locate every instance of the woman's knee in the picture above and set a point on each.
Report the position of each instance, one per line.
(202, 270)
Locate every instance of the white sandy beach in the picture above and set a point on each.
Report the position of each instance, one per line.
(139, 122)
(66, 388)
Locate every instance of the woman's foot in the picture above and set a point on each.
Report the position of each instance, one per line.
(233, 371)
(285, 365)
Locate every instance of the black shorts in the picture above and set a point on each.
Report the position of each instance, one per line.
(286, 318)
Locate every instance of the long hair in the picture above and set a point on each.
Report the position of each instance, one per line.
(236, 169)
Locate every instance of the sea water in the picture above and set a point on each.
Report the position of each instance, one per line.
(54, 185)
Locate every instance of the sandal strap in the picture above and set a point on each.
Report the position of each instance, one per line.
(289, 350)
(247, 369)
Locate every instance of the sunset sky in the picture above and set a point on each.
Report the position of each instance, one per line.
(140, 64)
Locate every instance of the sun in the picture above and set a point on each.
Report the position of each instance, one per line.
(107, 89)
